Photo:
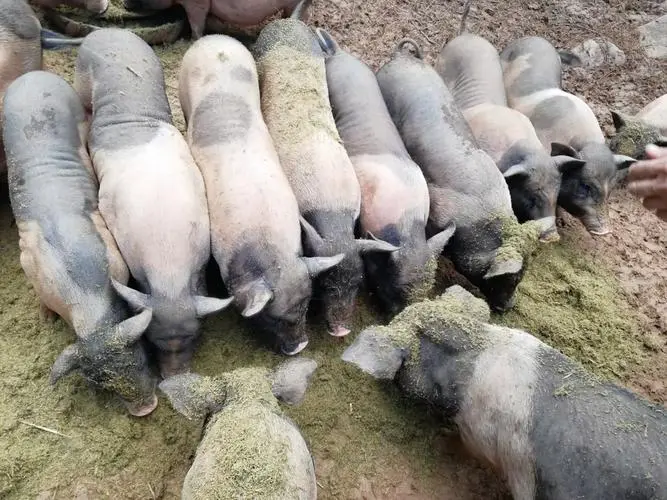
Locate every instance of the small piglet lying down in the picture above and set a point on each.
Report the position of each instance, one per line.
(552, 430)
(250, 449)
(67, 252)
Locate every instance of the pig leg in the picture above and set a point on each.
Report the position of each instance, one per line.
(197, 11)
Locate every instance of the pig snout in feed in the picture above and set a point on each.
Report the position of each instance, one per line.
(152, 194)
(394, 194)
(257, 246)
(296, 107)
(634, 133)
(249, 448)
(565, 125)
(549, 428)
(67, 252)
(470, 67)
(489, 246)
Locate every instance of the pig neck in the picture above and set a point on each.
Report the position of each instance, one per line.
(335, 227)
(98, 311)
(520, 151)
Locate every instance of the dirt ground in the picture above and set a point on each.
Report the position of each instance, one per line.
(367, 441)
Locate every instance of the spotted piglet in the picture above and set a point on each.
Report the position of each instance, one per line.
(152, 194)
(255, 230)
(533, 80)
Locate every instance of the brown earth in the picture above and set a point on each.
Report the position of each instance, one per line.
(367, 441)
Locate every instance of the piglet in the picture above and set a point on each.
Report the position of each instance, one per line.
(67, 252)
(394, 194)
(634, 133)
(470, 66)
(243, 13)
(152, 194)
(533, 81)
(295, 104)
(552, 430)
(256, 235)
(249, 448)
(466, 188)
(93, 6)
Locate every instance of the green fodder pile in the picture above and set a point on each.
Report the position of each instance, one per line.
(576, 305)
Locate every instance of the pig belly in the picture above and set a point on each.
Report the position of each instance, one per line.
(247, 193)
(497, 128)
(574, 124)
(655, 114)
(153, 200)
(43, 270)
(247, 12)
(321, 175)
(386, 197)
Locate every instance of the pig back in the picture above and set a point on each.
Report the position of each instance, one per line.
(250, 450)
(439, 139)
(296, 107)
(120, 79)
(52, 192)
(360, 112)
(530, 64)
(470, 67)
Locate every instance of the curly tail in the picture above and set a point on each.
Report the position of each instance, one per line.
(464, 16)
(328, 44)
(417, 49)
(51, 40)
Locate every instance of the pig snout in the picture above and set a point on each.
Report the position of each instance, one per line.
(174, 362)
(292, 347)
(339, 310)
(292, 338)
(97, 6)
(142, 408)
(548, 229)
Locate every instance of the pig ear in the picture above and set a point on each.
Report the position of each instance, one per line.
(520, 169)
(205, 306)
(257, 295)
(291, 379)
(134, 298)
(194, 396)
(622, 162)
(505, 266)
(373, 244)
(566, 164)
(569, 58)
(67, 362)
(131, 330)
(438, 242)
(558, 149)
(374, 353)
(311, 237)
(317, 265)
(619, 119)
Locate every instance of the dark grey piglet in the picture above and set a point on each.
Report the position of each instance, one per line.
(394, 194)
(634, 133)
(470, 66)
(533, 81)
(152, 194)
(67, 252)
(466, 188)
(552, 430)
(250, 448)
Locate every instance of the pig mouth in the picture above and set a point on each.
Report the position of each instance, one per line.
(291, 349)
(141, 410)
(595, 223)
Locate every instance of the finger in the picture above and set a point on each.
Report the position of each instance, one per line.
(647, 169)
(647, 188)
(655, 203)
(653, 151)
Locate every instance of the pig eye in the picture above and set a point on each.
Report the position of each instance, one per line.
(584, 190)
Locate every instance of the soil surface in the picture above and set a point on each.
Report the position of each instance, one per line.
(600, 300)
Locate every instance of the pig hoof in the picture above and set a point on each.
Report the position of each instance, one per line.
(291, 349)
(142, 411)
(339, 331)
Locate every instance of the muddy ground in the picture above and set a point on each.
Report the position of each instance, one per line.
(601, 301)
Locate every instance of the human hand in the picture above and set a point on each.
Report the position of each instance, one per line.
(648, 180)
